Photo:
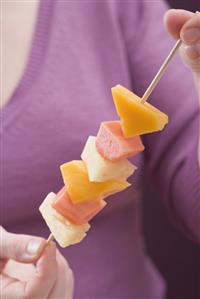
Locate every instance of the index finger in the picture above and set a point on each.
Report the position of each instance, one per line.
(174, 20)
(41, 283)
(46, 274)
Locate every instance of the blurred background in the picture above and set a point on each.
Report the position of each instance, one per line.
(192, 5)
(177, 258)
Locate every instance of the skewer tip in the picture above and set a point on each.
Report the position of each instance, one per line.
(50, 238)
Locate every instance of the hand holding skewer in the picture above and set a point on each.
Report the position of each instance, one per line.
(162, 69)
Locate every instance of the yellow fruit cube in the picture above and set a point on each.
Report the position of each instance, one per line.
(79, 187)
(137, 118)
(102, 170)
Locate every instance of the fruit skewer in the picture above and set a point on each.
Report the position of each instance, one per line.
(145, 96)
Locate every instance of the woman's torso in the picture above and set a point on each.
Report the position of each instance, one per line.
(77, 55)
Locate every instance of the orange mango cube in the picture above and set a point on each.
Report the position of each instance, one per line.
(79, 187)
(137, 118)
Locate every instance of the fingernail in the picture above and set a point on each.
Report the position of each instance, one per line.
(191, 35)
(33, 247)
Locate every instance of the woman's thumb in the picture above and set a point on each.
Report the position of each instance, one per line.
(21, 248)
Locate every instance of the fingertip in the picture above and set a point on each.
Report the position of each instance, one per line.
(174, 19)
(168, 22)
(34, 248)
(168, 14)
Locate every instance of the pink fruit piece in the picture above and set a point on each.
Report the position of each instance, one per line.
(113, 146)
(78, 213)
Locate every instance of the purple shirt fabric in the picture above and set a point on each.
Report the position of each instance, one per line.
(79, 51)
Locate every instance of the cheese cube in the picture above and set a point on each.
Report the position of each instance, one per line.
(64, 232)
(102, 170)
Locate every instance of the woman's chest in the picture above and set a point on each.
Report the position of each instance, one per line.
(63, 97)
(18, 23)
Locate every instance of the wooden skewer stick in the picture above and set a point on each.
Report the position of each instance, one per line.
(162, 70)
(50, 238)
(147, 93)
(48, 241)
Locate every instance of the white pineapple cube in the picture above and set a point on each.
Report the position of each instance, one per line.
(65, 232)
(100, 169)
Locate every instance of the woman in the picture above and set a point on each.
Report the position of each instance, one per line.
(78, 52)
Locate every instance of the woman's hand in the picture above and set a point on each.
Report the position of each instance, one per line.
(186, 25)
(50, 277)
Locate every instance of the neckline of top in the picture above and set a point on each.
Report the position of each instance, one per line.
(34, 62)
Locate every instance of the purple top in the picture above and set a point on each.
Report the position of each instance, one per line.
(79, 51)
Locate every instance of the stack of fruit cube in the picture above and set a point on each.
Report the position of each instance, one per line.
(103, 170)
